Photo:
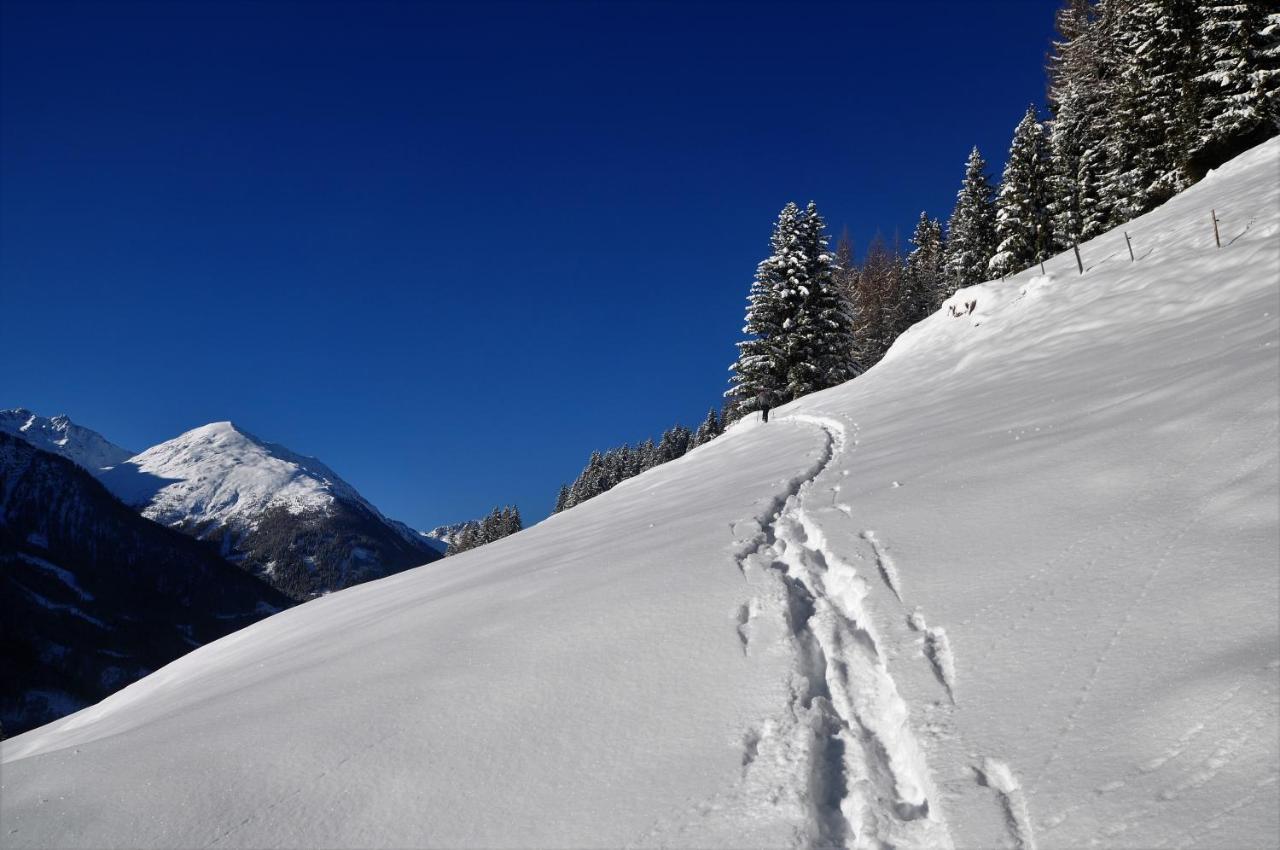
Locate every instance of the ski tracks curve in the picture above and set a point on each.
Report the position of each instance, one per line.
(867, 779)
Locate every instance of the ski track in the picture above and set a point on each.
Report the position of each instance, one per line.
(868, 785)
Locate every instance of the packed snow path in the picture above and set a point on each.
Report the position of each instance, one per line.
(1015, 587)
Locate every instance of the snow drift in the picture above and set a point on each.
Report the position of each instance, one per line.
(1015, 586)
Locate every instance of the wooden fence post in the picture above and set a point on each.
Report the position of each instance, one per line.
(1076, 248)
(1130, 244)
(1216, 240)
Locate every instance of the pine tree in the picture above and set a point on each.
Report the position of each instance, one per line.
(922, 277)
(1023, 225)
(562, 499)
(971, 230)
(708, 430)
(1238, 74)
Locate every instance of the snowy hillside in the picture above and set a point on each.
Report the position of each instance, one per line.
(1014, 587)
(61, 436)
(299, 524)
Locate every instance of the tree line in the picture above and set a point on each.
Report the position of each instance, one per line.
(1144, 97)
(500, 523)
(605, 470)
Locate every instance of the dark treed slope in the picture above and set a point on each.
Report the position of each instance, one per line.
(96, 596)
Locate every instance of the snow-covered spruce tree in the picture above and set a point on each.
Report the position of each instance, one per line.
(826, 319)
(562, 499)
(800, 325)
(1153, 104)
(1023, 225)
(1238, 74)
(674, 443)
(710, 428)
(971, 230)
(922, 280)
(1079, 86)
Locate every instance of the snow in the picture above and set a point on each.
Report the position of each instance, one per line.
(1080, 645)
(222, 475)
(61, 436)
(65, 576)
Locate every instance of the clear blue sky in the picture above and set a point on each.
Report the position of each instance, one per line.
(452, 248)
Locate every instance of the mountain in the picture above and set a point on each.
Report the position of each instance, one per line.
(442, 535)
(63, 437)
(1015, 586)
(285, 517)
(95, 596)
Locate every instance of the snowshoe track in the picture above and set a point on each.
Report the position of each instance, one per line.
(868, 785)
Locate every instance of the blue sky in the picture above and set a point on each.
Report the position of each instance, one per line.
(452, 248)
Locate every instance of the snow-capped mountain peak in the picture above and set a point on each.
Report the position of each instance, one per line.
(220, 472)
(60, 436)
(284, 515)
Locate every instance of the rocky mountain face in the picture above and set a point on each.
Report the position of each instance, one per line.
(96, 596)
(284, 517)
(61, 436)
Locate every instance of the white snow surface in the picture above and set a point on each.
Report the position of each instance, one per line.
(61, 436)
(221, 474)
(1078, 490)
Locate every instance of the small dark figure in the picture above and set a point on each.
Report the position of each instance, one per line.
(763, 400)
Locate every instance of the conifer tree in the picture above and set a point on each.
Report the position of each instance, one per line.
(1079, 91)
(971, 230)
(562, 499)
(1238, 75)
(674, 443)
(759, 374)
(800, 323)
(1023, 225)
(877, 292)
(1153, 105)
(708, 430)
(826, 316)
(922, 278)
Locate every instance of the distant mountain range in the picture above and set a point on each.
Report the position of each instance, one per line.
(63, 437)
(115, 563)
(287, 518)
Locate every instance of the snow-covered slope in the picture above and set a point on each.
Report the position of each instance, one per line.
(61, 436)
(1014, 587)
(290, 516)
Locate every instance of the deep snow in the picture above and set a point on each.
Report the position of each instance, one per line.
(1015, 586)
